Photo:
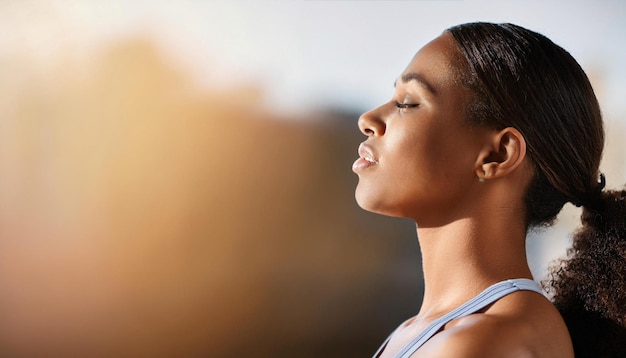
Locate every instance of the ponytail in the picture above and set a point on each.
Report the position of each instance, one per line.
(589, 287)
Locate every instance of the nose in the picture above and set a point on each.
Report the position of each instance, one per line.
(371, 123)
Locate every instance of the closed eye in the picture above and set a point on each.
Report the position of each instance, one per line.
(406, 105)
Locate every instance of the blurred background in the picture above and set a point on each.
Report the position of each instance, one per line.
(175, 175)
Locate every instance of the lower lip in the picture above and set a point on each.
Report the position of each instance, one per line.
(361, 164)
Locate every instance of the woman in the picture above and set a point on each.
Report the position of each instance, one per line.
(492, 128)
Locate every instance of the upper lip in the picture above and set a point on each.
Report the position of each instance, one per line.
(366, 153)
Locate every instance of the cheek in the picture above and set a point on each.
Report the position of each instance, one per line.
(420, 169)
(400, 179)
(431, 168)
(418, 154)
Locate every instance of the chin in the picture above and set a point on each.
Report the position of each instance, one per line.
(363, 203)
(387, 205)
(375, 205)
(365, 200)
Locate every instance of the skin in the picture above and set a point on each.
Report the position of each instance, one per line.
(425, 164)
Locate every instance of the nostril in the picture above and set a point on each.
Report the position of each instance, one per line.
(372, 123)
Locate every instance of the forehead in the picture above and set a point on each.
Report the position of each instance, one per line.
(437, 62)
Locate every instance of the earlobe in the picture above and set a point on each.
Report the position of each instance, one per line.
(502, 154)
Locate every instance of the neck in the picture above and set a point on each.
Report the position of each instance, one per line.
(462, 258)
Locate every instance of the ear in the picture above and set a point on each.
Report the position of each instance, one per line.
(503, 152)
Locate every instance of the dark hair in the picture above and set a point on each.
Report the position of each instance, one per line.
(521, 79)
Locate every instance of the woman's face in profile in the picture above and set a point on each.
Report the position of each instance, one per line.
(420, 155)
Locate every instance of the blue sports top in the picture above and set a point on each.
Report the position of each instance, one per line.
(490, 295)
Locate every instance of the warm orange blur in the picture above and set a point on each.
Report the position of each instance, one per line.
(143, 217)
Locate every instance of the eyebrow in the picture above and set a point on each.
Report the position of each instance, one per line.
(414, 76)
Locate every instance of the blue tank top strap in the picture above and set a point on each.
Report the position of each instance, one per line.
(490, 295)
(382, 346)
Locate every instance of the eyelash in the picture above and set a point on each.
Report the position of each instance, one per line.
(406, 105)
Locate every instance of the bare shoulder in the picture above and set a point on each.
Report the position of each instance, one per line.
(520, 325)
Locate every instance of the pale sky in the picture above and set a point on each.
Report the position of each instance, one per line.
(309, 53)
